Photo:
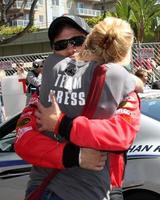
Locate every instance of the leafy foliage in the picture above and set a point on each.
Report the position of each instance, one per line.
(11, 30)
(122, 10)
(141, 14)
(93, 20)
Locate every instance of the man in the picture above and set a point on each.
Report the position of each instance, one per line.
(20, 71)
(33, 79)
(71, 32)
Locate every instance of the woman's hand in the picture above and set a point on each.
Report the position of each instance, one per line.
(47, 118)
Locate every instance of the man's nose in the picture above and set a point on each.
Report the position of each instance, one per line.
(70, 45)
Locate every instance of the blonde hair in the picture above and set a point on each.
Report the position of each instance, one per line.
(110, 40)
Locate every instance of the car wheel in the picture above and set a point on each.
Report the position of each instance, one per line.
(142, 195)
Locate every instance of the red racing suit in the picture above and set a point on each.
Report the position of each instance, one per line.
(114, 135)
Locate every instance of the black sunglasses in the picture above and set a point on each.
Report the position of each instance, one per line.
(63, 44)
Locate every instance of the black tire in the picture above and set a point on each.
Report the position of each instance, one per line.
(142, 195)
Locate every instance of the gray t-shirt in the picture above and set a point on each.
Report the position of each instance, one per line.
(70, 82)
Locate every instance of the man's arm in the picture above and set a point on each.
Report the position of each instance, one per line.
(43, 151)
(40, 150)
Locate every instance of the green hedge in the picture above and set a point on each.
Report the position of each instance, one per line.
(11, 30)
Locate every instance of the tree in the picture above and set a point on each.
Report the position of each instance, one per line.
(139, 13)
(122, 10)
(6, 18)
(144, 12)
(156, 28)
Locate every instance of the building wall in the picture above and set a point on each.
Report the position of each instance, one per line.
(30, 43)
(25, 49)
(55, 10)
(40, 16)
(47, 10)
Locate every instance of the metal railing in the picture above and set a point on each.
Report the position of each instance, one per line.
(147, 56)
(88, 12)
(20, 22)
(18, 5)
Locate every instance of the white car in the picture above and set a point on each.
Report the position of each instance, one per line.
(142, 174)
(13, 170)
(142, 177)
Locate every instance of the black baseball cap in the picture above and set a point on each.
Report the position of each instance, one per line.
(75, 21)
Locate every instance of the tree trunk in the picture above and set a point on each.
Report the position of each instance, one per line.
(3, 21)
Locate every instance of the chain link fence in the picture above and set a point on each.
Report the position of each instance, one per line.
(8, 63)
(146, 55)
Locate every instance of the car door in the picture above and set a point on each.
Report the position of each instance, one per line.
(13, 170)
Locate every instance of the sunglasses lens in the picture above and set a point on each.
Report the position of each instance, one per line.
(63, 44)
(78, 41)
(60, 45)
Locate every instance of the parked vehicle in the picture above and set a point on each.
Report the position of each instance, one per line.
(13, 170)
(142, 177)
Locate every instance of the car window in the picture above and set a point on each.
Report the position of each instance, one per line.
(151, 108)
(6, 142)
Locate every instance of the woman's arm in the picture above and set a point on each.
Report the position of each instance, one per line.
(114, 134)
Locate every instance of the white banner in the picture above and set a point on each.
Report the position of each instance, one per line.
(146, 52)
(13, 93)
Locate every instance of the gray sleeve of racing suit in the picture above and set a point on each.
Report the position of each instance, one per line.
(32, 79)
(118, 76)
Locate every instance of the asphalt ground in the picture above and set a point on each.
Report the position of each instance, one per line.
(13, 188)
